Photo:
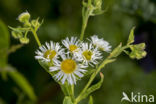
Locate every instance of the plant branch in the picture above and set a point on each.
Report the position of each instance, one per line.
(109, 59)
(36, 37)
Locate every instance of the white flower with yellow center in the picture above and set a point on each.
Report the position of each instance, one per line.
(71, 44)
(49, 52)
(88, 54)
(100, 43)
(68, 70)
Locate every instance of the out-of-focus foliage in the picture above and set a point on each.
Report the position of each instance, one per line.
(22, 83)
(4, 44)
(124, 76)
(5, 69)
(143, 8)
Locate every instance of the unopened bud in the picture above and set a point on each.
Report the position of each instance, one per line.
(24, 17)
(24, 40)
(16, 35)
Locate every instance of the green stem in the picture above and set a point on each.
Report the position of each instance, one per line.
(26, 34)
(36, 37)
(84, 23)
(102, 65)
(91, 79)
(72, 93)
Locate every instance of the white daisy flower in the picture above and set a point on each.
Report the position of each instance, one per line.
(49, 52)
(68, 70)
(88, 54)
(71, 44)
(101, 43)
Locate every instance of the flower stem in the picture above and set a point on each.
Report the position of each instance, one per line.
(72, 93)
(102, 65)
(36, 37)
(91, 79)
(85, 17)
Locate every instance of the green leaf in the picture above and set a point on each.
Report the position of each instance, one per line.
(90, 100)
(22, 82)
(67, 100)
(117, 51)
(93, 87)
(131, 36)
(4, 44)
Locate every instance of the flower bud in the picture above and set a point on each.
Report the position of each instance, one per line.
(16, 35)
(24, 40)
(24, 17)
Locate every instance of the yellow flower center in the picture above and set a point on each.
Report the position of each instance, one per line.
(87, 54)
(68, 66)
(50, 54)
(72, 48)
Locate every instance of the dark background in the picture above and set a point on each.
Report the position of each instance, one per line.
(63, 18)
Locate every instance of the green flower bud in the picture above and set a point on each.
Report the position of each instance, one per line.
(24, 17)
(24, 40)
(16, 35)
(137, 51)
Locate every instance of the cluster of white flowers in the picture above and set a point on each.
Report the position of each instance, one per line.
(69, 62)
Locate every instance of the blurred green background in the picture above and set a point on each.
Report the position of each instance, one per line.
(63, 18)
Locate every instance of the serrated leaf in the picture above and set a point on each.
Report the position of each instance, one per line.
(131, 36)
(22, 82)
(90, 100)
(4, 44)
(67, 100)
(93, 87)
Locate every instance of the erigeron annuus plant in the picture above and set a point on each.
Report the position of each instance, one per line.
(71, 59)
